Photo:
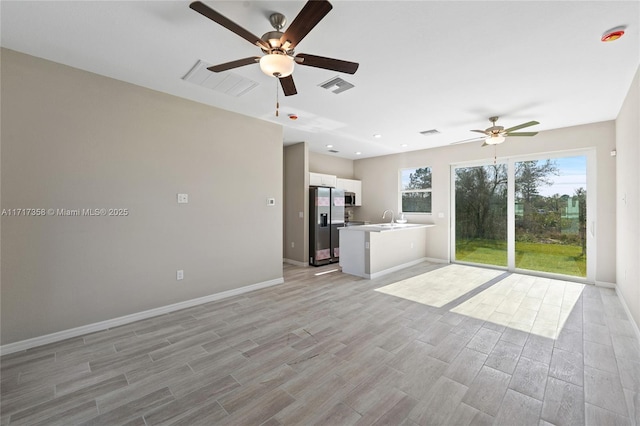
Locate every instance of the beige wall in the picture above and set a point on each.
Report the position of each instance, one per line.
(72, 139)
(628, 199)
(330, 165)
(296, 182)
(381, 177)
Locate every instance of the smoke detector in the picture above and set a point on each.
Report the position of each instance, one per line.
(613, 34)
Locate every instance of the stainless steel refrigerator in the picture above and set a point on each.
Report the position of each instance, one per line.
(326, 215)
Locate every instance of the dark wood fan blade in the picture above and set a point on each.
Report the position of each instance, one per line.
(328, 63)
(288, 86)
(205, 10)
(312, 13)
(522, 134)
(234, 64)
(521, 126)
(480, 131)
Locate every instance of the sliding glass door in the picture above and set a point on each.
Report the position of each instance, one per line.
(525, 214)
(551, 215)
(481, 214)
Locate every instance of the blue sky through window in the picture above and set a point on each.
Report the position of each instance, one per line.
(573, 175)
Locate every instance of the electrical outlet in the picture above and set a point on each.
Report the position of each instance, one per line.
(179, 274)
(183, 198)
(293, 244)
(271, 201)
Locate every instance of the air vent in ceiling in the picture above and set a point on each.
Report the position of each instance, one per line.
(227, 82)
(337, 85)
(333, 151)
(429, 132)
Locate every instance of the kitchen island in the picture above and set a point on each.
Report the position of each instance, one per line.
(370, 251)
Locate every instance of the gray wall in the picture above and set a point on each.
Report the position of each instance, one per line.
(72, 139)
(628, 199)
(296, 182)
(381, 177)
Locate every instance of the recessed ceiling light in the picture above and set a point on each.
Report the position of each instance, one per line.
(358, 153)
(329, 146)
(404, 145)
(377, 136)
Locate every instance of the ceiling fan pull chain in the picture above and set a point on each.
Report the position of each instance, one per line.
(277, 99)
(495, 155)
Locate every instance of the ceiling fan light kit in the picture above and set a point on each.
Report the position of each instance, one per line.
(278, 47)
(494, 139)
(277, 65)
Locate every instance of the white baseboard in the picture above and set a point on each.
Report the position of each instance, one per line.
(436, 260)
(115, 322)
(295, 262)
(395, 268)
(626, 309)
(605, 284)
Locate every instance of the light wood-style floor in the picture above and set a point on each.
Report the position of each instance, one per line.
(338, 350)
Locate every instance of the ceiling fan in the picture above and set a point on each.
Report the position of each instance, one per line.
(278, 47)
(495, 135)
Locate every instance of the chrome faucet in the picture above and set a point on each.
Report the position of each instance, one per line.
(392, 215)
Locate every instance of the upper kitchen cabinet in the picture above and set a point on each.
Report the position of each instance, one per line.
(351, 185)
(320, 179)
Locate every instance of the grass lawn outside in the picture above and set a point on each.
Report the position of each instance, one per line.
(488, 252)
(544, 257)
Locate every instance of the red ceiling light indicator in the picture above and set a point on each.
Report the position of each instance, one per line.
(613, 34)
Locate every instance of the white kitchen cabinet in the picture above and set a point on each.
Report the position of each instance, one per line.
(320, 179)
(351, 185)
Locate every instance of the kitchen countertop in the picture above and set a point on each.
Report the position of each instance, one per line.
(386, 227)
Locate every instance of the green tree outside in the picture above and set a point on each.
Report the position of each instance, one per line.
(550, 230)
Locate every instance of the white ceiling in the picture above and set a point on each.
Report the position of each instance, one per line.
(447, 65)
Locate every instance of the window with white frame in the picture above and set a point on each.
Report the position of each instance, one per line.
(415, 190)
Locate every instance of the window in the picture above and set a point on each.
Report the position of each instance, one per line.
(415, 190)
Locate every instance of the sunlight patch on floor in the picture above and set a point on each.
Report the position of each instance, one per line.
(532, 304)
(441, 286)
(326, 272)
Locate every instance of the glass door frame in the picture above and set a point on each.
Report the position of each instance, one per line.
(590, 155)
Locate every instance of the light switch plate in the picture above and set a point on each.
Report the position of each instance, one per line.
(180, 274)
(183, 198)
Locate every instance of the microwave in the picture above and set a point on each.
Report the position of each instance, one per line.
(349, 199)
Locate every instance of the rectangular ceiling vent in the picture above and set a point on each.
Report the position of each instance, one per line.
(333, 151)
(429, 132)
(337, 85)
(227, 82)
